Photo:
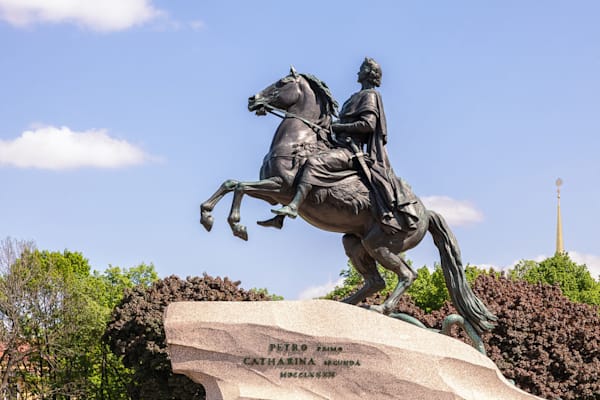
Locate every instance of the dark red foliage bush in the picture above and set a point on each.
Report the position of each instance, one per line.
(136, 332)
(548, 345)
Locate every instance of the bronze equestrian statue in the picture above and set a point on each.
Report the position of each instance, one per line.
(337, 177)
(362, 122)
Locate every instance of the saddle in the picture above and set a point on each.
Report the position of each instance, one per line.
(352, 193)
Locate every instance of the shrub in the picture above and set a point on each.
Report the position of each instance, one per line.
(136, 332)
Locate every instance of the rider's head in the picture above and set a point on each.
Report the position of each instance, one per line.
(370, 71)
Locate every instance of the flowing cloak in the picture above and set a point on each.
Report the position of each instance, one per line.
(393, 198)
(392, 192)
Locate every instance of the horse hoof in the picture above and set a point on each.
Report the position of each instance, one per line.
(378, 308)
(207, 220)
(241, 232)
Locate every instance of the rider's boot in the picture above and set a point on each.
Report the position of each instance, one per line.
(291, 210)
(275, 222)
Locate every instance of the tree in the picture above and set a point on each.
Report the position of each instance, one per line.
(574, 279)
(111, 376)
(54, 312)
(47, 320)
(115, 280)
(15, 313)
(429, 291)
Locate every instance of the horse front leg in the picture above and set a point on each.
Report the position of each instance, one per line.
(206, 218)
(258, 189)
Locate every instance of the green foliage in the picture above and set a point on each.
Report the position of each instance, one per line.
(472, 272)
(47, 305)
(574, 279)
(115, 280)
(429, 291)
(54, 312)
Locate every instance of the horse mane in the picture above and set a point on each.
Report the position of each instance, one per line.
(324, 97)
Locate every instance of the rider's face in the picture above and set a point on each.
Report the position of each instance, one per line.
(363, 73)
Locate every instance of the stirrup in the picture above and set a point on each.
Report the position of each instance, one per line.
(288, 211)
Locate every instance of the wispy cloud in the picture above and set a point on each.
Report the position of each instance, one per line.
(197, 25)
(313, 292)
(101, 15)
(456, 212)
(168, 24)
(61, 148)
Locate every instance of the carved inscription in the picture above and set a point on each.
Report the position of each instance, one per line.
(300, 360)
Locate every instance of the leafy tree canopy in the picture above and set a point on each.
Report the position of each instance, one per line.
(574, 279)
(53, 313)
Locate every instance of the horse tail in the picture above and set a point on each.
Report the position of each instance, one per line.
(463, 298)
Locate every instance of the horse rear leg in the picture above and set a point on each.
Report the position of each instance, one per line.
(260, 189)
(206, 218)
(365, 265)
(378, 248)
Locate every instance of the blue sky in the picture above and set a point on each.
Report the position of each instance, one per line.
(118, 121)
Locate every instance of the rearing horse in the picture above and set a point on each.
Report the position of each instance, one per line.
(347, 206)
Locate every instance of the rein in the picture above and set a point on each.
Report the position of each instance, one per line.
(286, 114)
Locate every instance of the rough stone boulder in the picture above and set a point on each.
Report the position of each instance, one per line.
(322, 349)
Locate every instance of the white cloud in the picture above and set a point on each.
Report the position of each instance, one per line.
(99, 15)
(592, 262)
(312, 292)
(61, 148)
(456, 212)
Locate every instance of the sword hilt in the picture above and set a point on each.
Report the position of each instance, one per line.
(355, 149)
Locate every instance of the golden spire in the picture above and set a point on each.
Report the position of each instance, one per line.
(559, 237)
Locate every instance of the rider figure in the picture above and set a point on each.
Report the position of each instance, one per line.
(362, 123)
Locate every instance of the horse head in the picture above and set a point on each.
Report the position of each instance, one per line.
(282, 94)
(304, 91)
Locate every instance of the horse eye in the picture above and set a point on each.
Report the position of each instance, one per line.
(285, 81)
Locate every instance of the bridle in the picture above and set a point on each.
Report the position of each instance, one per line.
(283, 114)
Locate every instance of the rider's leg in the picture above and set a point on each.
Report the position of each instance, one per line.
(291, 210)
(322, 164)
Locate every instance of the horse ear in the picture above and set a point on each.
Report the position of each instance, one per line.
(293, 71)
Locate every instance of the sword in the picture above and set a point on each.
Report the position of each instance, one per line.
(360, 157)
(364, 168)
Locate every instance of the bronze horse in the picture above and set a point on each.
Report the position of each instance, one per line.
(308, 107)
